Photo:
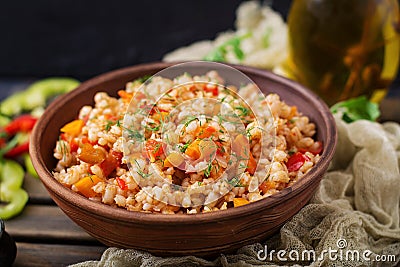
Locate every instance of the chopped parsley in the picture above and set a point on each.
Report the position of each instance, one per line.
(207, 171)
(189, 119)
(243, 111)
(185, 146)
(140, 172)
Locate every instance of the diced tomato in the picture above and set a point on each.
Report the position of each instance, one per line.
(220, 148)
(153, 149)
(63, 136)
(23, 123)
(207, 132)
(73, 145)
(117, 155)
(211, 88)
(111, 162)
(18, 150)
(121, 184)
(295, 162)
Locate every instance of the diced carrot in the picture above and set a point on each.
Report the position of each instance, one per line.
(293, 112)
(73, 128)
(267, 185)
(84, 185)
(193, 150)
(160, 116)
(125, 95)
(237, 202)
(207, 132)
(251, 164)
(91, 155)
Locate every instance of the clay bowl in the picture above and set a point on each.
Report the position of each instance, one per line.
(198, 234)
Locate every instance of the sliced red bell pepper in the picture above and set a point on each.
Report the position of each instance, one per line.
(18, 150)
(23, 123)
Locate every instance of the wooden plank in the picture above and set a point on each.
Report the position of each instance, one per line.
(36, 190)
(44, 255)
(48, 224)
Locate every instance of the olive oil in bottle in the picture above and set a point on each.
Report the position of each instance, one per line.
(344, 48)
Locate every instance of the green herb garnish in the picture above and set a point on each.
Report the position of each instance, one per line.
(354, 109)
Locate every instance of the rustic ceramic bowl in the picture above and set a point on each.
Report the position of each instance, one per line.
(196, 234)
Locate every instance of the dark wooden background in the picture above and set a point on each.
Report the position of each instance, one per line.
(85, 38)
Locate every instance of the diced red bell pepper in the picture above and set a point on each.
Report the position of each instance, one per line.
(211, 88)
(295, 162)
(153, 149)
(121, 184)
(23, 123)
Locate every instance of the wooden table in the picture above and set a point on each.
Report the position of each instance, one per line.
(45, 236)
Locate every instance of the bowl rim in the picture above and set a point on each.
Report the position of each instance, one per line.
(105, 211)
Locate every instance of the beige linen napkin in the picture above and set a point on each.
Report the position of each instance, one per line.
(355, 209)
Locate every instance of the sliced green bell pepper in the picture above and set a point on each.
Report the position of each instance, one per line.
(11, 193)
(36, 95)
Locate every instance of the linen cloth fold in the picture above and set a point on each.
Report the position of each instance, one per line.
(356, 209)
